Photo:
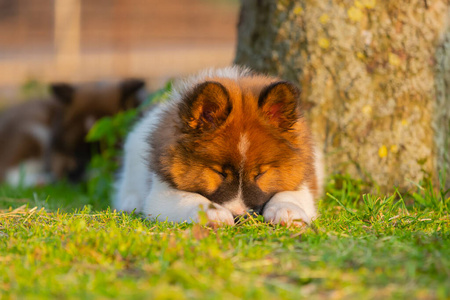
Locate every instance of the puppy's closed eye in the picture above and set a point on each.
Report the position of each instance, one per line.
(259, 175)
(223, 175)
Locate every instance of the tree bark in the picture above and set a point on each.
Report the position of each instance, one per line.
(374, 74)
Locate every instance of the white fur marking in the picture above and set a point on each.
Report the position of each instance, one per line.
(243, 146)
(236, 205)
(28, 173)
(40, 133)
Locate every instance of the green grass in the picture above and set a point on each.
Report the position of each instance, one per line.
(58, 242)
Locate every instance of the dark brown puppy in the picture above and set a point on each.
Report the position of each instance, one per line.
(49, 135)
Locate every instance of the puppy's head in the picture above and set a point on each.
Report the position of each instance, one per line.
(237, 142)
(83, 105)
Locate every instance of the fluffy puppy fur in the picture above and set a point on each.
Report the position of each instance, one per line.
(46, 138)
(227, 141)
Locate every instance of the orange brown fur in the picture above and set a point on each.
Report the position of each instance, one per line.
(194, 147)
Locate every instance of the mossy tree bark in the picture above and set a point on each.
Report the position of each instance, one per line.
(375, 76)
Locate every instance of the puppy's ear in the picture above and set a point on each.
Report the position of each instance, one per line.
(279, 103)
(206, 107)
(129, 88)
(63, 92)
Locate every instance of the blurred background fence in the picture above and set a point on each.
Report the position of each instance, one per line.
(85, 40)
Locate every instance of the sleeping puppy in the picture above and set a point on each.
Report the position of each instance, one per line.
(226, 142)
(44, 140)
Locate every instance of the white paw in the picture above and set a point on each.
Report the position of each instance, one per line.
(285, 213)
(216, 215)
(128, 204)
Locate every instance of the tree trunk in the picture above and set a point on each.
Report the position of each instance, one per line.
(375, 76)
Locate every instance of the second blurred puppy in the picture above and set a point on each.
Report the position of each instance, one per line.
(44, 140)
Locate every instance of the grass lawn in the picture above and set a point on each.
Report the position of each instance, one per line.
(58, 242)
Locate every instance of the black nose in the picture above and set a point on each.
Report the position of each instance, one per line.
(250, 212)
(259, 209)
